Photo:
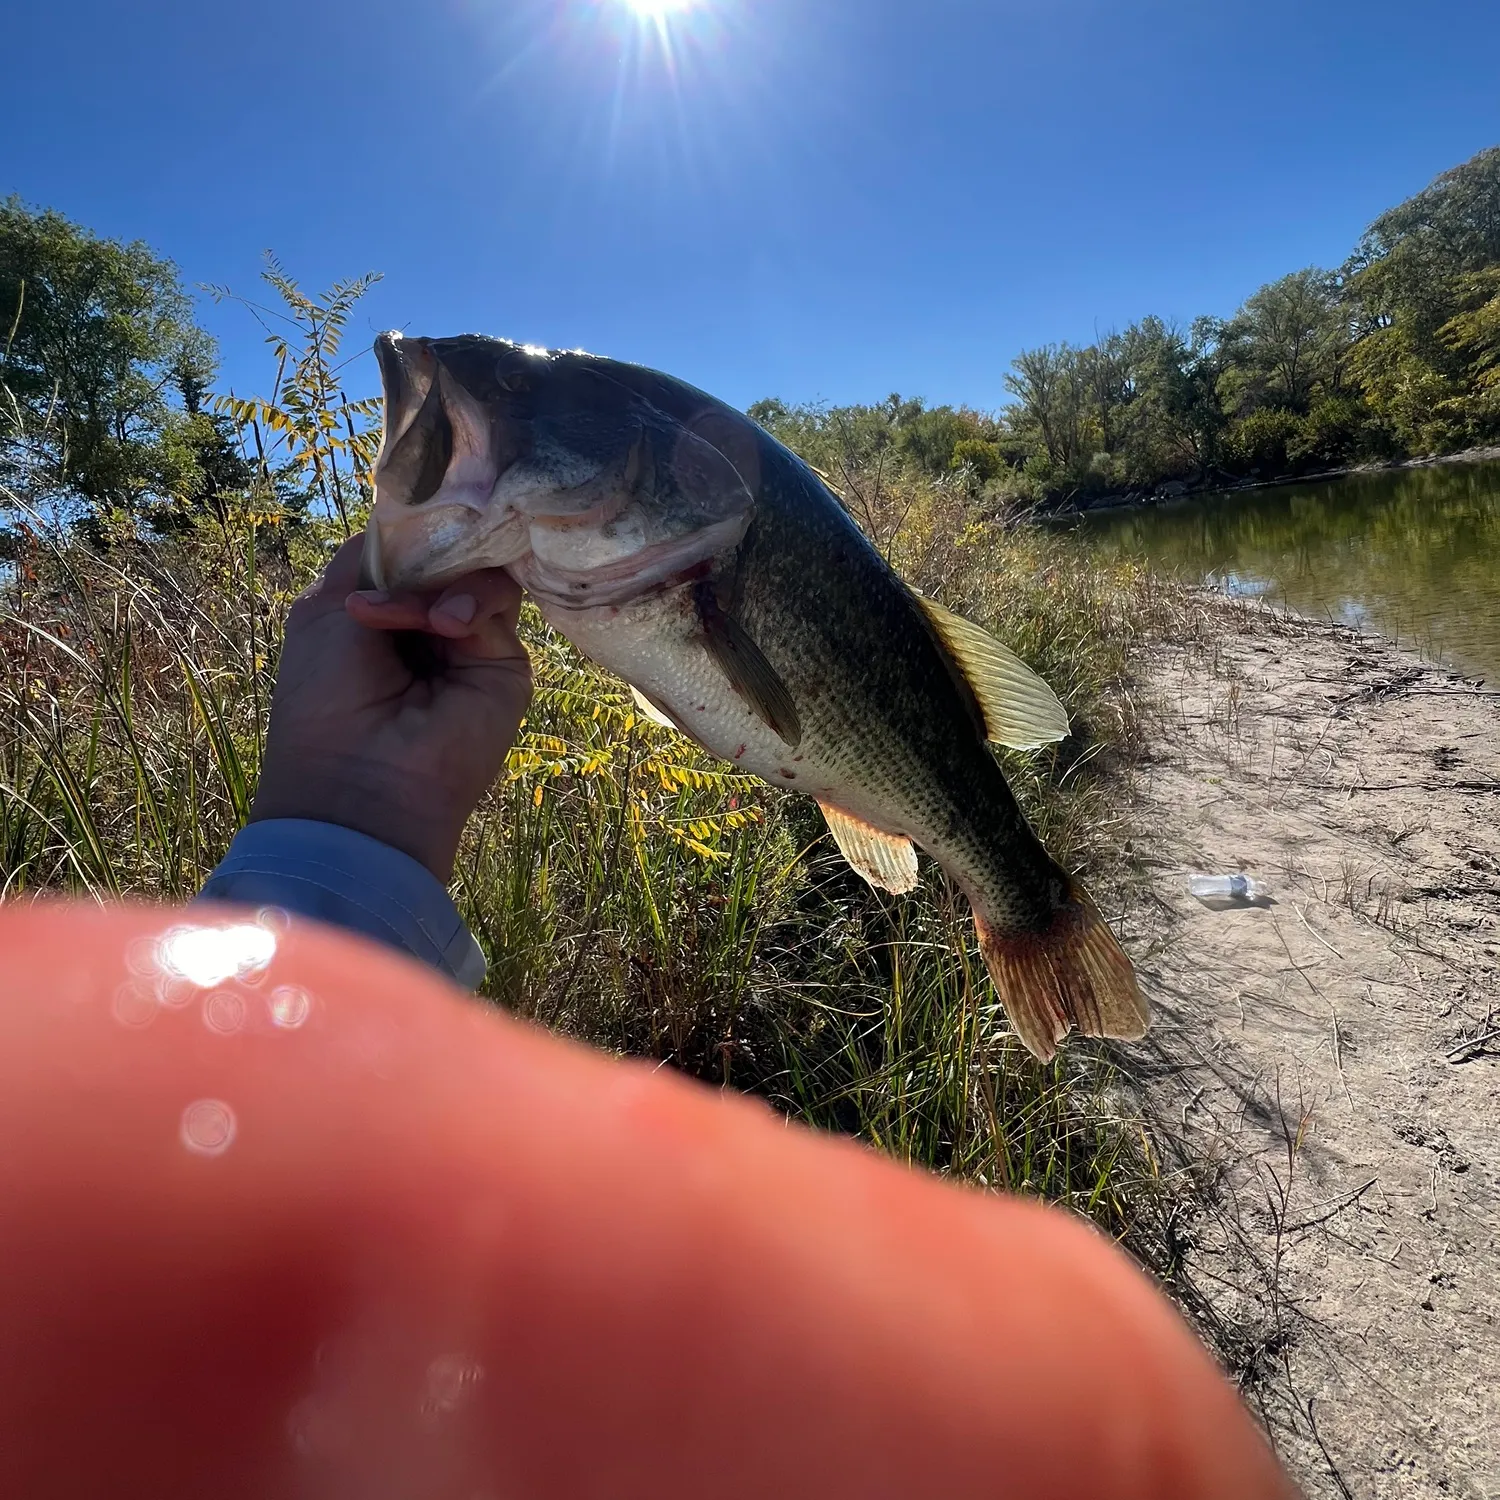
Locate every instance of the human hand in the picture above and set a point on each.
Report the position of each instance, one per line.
(360, 739)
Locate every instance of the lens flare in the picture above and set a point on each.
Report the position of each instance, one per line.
(658, 10)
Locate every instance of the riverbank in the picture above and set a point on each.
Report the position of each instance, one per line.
(1327, 1065)
(1178, 489)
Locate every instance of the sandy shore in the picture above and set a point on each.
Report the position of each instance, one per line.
(1335, 1056)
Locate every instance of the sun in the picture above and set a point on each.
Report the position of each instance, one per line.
(658, 10)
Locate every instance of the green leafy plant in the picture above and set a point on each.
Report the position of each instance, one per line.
(308, 433)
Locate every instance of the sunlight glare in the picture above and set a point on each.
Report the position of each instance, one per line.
(657, 10)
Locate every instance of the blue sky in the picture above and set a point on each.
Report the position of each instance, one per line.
(810, 198)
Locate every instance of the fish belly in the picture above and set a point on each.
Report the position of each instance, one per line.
(656, 645)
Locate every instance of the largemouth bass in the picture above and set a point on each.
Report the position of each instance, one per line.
(676, 543)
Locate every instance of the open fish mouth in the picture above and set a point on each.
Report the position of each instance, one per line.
(498, 455)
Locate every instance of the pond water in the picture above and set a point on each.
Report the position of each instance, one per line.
(1412, 553)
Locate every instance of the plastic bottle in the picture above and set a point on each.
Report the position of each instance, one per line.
(1228, 890)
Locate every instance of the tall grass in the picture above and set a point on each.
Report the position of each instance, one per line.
(627, 888)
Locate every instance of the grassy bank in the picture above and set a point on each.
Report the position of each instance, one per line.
(627, 888)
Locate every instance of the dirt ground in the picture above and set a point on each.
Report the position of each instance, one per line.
(1336, 1055)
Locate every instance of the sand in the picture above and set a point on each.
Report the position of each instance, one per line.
(1334, 1057)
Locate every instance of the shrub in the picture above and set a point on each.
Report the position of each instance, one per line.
(1261, 441)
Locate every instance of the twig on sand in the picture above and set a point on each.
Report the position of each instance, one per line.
(1298, 967)
(1468, 1050)
(1339, 1206)
(1301, 917)
(1338, 1053)
(1333, 1468)
(1420, 786)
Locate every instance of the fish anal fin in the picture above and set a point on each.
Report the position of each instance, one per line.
(651, 711)
(746, 667)
(1074, 974)
(1019, 709)
(886, 860)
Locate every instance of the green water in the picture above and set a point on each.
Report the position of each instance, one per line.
(1413, 554)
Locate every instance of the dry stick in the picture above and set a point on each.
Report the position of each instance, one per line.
(1338, 1051)
(1339, 1206)
(1297, 770)
(1333, 1468)
(1467, 1051)
(1303, 919)
(1417, 786)
(1298, 967)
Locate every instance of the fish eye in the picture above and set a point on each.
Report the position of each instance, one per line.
(515, 381)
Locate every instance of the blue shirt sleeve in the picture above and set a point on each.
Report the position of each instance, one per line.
(348, 880)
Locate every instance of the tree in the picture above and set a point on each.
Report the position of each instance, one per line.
(1416, 292)
(1176, 420)
(1106, 374)
(102, 347)
(1286, 341)
(1051, 385)
(308, 435)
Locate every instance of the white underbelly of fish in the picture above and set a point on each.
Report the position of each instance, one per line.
(655, 645)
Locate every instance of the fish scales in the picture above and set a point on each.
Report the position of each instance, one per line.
(898, 739)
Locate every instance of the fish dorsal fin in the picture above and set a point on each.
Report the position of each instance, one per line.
(650, 710)
(1019, 709)
(746, 667)
(886, 860)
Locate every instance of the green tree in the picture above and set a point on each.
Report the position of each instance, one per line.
(309, 438)
(102, 350)
(1176, 419)
(1051, 387)
(1287, 341)
(1415, 284)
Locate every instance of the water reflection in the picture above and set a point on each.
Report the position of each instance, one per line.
(1414, 554)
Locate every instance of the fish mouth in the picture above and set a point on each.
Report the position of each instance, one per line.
(428, 549)
(494, 455)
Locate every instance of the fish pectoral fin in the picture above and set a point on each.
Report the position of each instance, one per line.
(1019, 709)
(750, 674)
(887, 860)
(651, 711)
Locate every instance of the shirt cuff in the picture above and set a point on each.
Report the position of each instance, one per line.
(349, 880)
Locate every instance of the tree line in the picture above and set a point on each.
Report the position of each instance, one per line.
(107, 416)
(1395, 353)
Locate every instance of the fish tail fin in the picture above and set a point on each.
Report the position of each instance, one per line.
(1072, 973)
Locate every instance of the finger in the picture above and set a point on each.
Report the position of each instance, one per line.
(342, 573)
(381, 611)
(329, 1227)
(480, 613)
